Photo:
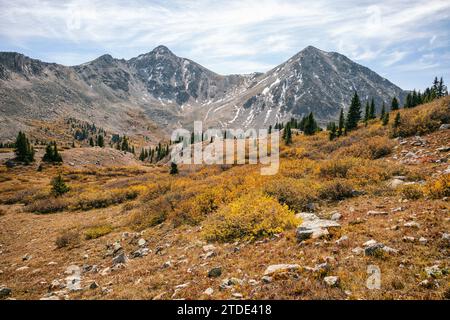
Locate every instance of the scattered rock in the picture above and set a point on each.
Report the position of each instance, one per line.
(105, 271)
(167, 264)
(395, 183)
(331, 281)
(159, 296)
(209, 248)
(412, 224)
(121, 258)
(209, 254)
(409, 239)
(209, 292)
(4, 292)
(429, 284)
(373, 249)
(336, 216)
(253, 282)
(142, 252)
(215, 272)
(376, 213)
(266, 279)
(314, 227)
(342, 240)
(142, 242)
(358, 250)
(443, 149)
(56, 285)
(237, 295)
(73, 281)
(94, 285)
(25, 268)
(444, 126)
(433, 271)
(27, 257)
(423, 240)
(281, 268)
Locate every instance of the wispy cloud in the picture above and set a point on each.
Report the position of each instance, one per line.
(232, 36)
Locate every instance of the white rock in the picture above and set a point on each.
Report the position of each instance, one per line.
(209, 291)
(342, 240)
(209, 247)
(142, 242)
(25, 268)
(331, 281)
(336, 216)
(423, 240)
(411, 224)
(369, 243)
(280, 268)
(376, 213)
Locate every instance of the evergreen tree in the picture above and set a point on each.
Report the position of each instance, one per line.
(383, 111)
(310, 126)
(354, 113)
(100, 141)
(332, 131)
(51, 154)
(372, 112)
(23, 149)
(367, 113)
(173, 168)
(341, 124)
(270, 131)
(394, 104)
(142, 155)
(287, 134)
(59, 187)
(91, 142)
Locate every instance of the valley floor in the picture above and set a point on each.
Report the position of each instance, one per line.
(138, 233)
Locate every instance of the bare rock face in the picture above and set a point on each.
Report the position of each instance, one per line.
(168, 90)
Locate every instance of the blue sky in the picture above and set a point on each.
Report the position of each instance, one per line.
(406, 41)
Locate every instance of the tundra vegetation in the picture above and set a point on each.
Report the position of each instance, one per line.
(389, 182)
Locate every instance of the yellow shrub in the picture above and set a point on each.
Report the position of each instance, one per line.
(337, 168)
(336, 190)
(411, 191)
(294, 193)
(423, 119)
(250, 217)
(439, 187)
(97, 232)
(370, 148)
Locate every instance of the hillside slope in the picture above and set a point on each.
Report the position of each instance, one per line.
(226, 232)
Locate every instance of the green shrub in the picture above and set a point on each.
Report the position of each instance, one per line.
(97, 232)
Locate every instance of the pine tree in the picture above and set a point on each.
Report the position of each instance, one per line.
(59, 187)
(372, 112)
(173, 168)
(354, 113)
(310, 125)
(332, 131)
(383, 111)
(394, 104)
(341, 124)
(23, 149)
(51, 154)
(142, 155)
(287, 134)
(367, 113)
(270, 131)
(91, 142)
(100, 141)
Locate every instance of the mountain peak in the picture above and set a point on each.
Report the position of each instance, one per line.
(162, 50)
